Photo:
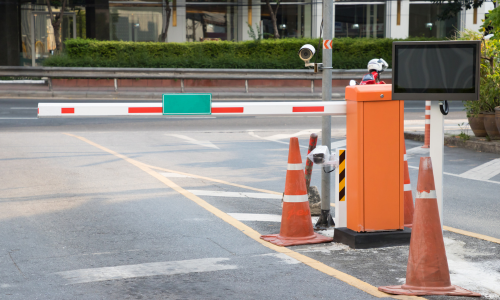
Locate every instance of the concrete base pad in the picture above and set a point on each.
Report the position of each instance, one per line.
(366, 240)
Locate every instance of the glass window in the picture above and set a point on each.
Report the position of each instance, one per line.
(137, 24)
(361, 20)
(211, 22)
(38, 39)
(291, 20)
(424, 22)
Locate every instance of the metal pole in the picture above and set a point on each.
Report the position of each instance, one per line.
(325, 219)
(33, 49)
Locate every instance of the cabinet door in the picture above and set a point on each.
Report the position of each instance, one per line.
(382, 164)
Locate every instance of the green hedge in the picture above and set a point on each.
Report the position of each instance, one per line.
(348, 53)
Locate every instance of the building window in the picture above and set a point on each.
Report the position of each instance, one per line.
(360, 20)
(210, 22)
(136, 24)
(424, 21)
(293, 19)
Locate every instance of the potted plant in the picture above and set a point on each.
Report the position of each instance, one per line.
(475, 117)
(490, 73)
(489, 94)
(497, 116)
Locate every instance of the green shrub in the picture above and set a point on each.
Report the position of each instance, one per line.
(348, 53)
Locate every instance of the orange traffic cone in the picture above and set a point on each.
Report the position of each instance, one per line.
(427, 272)
(296, 224)
(427, 136)
(408, 204)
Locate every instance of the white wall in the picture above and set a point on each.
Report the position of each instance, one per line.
(255, 16)
(317, 16)
(243, 18)
(392, 29)
(469, 18)
(178, 33)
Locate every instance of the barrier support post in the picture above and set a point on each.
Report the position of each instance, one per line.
(341, 190)
(437, 152)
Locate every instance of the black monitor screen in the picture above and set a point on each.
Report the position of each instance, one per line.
(436, 68)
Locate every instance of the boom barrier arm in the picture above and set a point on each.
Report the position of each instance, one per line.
(319, 108)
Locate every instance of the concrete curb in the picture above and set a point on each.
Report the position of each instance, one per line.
(474, 143)
(158, 96)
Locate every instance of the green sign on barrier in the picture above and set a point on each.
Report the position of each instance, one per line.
(187, 104)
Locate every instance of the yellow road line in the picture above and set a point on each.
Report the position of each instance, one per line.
(472, 234)
(250, 232)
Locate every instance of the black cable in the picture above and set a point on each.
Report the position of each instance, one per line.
(319, 42)
(446, 109)
(328, 171)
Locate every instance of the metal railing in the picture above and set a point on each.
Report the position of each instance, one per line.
(181, 74)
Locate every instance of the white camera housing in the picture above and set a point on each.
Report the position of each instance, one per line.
(306, 52)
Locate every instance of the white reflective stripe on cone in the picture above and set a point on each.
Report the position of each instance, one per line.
(295, 198)
(426, 195)
(295, 167)
(427, 121)
(428, 112)
(408, 187)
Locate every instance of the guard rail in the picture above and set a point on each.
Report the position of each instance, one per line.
(181, 74)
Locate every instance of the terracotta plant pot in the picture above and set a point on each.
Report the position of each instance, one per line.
(497, 116)
(477, 125)
(491, 126)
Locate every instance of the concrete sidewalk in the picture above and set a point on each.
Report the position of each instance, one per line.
(150, 93)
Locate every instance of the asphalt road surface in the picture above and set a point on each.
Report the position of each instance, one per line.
(171, 208)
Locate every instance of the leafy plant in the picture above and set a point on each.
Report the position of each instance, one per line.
(451, 8)
(464, 132)
(256, 37)
(489, 75)
(492, 22)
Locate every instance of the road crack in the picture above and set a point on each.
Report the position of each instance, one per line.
(11, 258)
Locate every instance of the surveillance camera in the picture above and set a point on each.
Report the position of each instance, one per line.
(306, 52)
(489, 36)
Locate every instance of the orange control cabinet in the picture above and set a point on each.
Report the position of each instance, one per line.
(375, 172)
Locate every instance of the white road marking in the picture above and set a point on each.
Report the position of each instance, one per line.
(289, 135)
(24, 108)
(234, 194)
(147, 269)
(447, 121)
(339, 133)
(256, 217)
(193, 141)
(338, 144)
(265, 218)
(251, 133)
(446, 128)
(284, 258)
(174, 175)
(466, 273)
(418, 150)
(484, 171)
(459, 176)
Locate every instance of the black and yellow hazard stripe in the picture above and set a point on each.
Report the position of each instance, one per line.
(341, 175)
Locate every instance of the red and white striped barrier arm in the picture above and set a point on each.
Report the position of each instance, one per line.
(218, 109)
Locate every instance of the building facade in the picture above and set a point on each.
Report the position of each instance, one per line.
(27, 35)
